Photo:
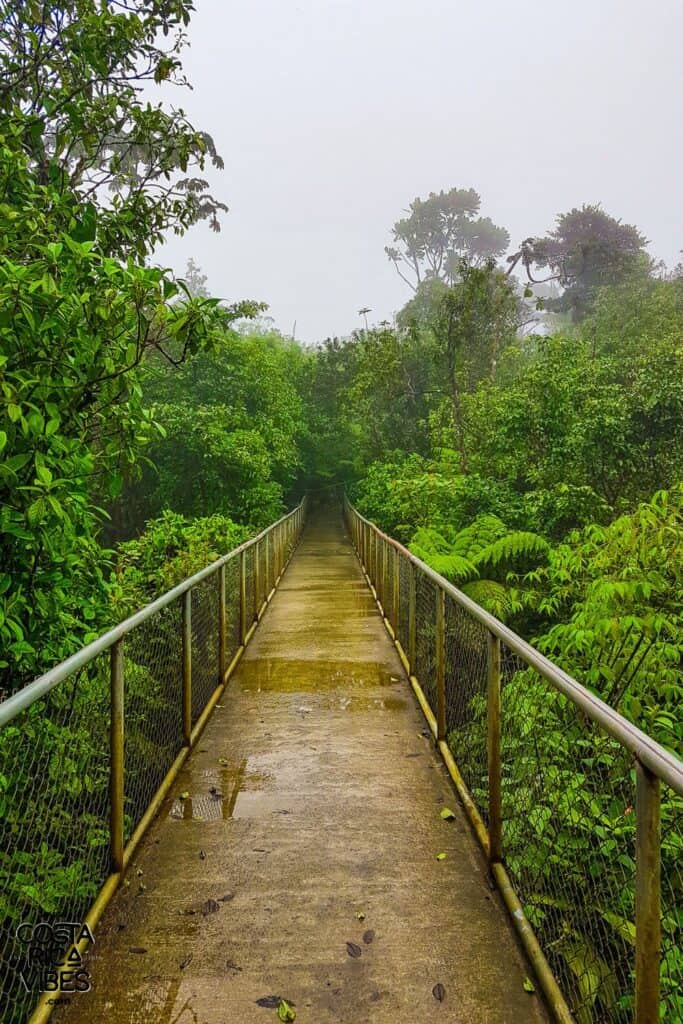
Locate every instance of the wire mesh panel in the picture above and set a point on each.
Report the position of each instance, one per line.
(249, 584)
(425, 638)
(59, 836)
(402, 624)
(153, 726)
(568, 795)
(232, 609)
(466, 681)
(672, 906)
(205, 671)
(54, 826)
(569, 841)
(388, 582)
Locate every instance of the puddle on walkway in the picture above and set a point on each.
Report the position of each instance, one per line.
(232, 790)
(291, 675)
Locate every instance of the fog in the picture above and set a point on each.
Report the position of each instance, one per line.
(332, 116)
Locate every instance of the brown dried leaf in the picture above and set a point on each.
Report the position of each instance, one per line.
(368, 936)
(353, 950)
(137, 949)
(183, 963)
(439, 992)
(210, 907)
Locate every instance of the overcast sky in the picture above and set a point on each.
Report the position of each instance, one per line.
(332, 115)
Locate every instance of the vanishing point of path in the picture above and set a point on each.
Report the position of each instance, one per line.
(314, 799)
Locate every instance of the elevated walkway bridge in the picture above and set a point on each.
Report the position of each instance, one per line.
(316, 783)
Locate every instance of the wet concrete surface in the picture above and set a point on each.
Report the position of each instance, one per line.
(312, 821)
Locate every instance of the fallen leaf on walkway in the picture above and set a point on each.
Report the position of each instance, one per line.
(224, 761)
(439, 992)
(360, 915)
(210, 907)
(447, 814)
(441, 856)
(529, 985)
(353, 950)
(184, 795)
(268, 1002)
(137, 949)
(368, 936)
(285, 1012)
(226, 899)
(202, 855)
(183, 963)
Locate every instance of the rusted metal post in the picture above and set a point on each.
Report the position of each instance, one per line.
(494, 747)
(222, 644)
(373, 561)
(244, 625)
(412, 618)
(648, 869)
(397, 593)
(116, 726)
(267, 562)
(187, 667)
(440, 665)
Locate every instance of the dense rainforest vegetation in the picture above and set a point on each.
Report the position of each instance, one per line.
(519, 426)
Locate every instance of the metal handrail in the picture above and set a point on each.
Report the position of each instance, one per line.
(255, 584)
(650, 753)
(653, 763)
(23, 698)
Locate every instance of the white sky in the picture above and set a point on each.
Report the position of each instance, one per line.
(332, 115)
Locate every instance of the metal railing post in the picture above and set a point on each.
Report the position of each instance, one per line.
(221, 626)
(243, 598)
(266, 563)
(257, 579)
(187, 667)
(648, 870)
(494, 746)
(440, 639)
(412, 618)
(116, 739)
(384, 577)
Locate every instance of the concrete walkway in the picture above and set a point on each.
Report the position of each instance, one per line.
(304, 862)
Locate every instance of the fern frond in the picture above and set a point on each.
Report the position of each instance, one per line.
(513, 549)
(432, 547)
(492, 596)
(482, 532)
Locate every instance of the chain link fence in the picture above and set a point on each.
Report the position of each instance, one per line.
(568, 793)
(61, 822)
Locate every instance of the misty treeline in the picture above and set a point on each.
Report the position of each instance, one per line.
(519, 425)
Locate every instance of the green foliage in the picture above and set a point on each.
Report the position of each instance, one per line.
(587, 250)
(233, 423)
(75, 325)
(612, 597)
(171, 548)
(442, 230)
(480, 557)
(74, 79)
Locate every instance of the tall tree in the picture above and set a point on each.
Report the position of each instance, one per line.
(472, 322)
(74, 77)
(439, 233)
(587, 250)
